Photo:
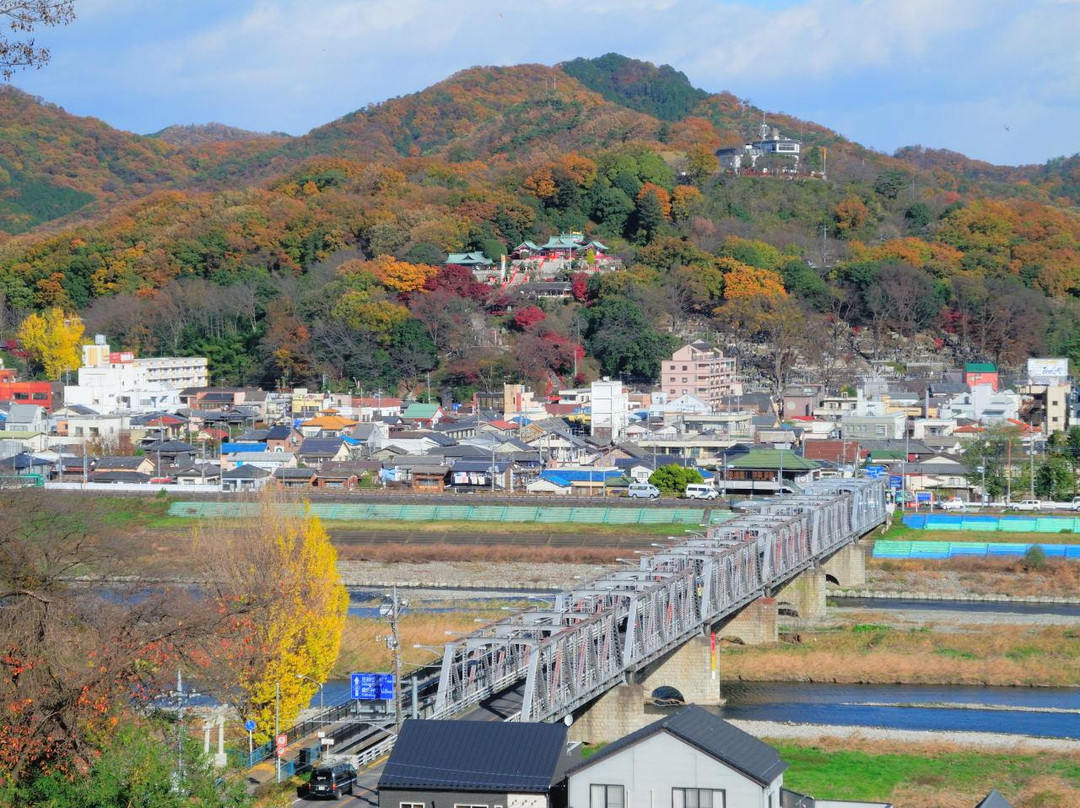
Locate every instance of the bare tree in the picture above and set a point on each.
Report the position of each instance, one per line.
(18, 20)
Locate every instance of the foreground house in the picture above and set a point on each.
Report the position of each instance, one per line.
(479, 764)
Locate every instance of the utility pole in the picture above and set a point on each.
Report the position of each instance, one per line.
(277, 726)
(395, 649)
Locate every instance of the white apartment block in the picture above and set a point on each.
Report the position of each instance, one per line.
(610, 410)
(698, 370)
(117, 382)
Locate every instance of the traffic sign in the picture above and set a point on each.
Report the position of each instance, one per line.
(249, 725)
(874, 472)
(924, 496)
(386, 687)
(896, 481)
(281, 751)
(364, 686)
(282, 741)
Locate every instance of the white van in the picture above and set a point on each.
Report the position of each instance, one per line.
(701, 491)
(642, 491)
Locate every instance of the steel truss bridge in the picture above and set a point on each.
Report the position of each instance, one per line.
(596, 636)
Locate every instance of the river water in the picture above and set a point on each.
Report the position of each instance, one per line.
(1047, 712)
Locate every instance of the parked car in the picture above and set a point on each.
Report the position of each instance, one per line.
(1075, 504)
(1028, 505)
(954, 504)
(642, 491)
(701, 491)
(332, 780)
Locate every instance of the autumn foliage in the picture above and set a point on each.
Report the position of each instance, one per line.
(275, 583)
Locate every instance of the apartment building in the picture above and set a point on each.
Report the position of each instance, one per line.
(699, 370)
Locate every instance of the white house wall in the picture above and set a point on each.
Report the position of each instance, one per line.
(651, 768)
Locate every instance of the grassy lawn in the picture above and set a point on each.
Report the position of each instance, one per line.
(510, 528)
(1024, 655)
(929, 777)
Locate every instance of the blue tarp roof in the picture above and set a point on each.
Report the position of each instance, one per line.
(568, 476)
(236, 448)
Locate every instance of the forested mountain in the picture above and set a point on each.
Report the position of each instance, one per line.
(290, 260)
(662, 92)
(194, 134)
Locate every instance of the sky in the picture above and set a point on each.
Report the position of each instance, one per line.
(998, 80)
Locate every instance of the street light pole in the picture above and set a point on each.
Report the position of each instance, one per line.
(277, 726)
(319, 684)
(396, 639)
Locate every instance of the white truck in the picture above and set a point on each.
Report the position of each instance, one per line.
(1027, 505)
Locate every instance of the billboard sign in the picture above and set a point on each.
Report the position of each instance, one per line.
(121, 357)
(875, 472)
(896, 481)
(1047, 371)
(924, 496)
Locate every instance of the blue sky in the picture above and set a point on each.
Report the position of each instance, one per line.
(995, 79)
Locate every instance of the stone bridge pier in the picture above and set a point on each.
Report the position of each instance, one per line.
(847, 566)
(688, 669)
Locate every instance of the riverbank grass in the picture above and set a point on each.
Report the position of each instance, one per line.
(1034, 656)
(929, 776)
(901, 532)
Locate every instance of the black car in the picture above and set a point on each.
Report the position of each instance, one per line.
(331, 780)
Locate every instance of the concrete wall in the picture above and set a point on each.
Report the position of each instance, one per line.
(688, 669)
(806, 594)
(651, 768)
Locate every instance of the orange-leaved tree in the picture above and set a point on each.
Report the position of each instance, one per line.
(276, 586)
(401, 276)
(51, 339)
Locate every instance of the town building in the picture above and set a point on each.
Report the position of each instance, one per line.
(699, 370)
(609, 411)
(116, 381)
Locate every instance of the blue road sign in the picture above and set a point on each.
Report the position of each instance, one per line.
(249, 725)
(896, 481)
(386, 687)
(924, 496)
(874, 472)
(364, 686)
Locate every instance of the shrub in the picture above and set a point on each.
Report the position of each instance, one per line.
(1035, 558)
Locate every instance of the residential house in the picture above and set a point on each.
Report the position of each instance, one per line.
(370, 436)
(316, 451)
(12, 443)
(43, 394)
(759, 472)
(141, 464)
(172, 452)
(425, 415)
(326, 425)
(692, 758)
(346, 474)
(294, 477)
(263, 460)
(609, 408)
(578, 482)
(26, 418)
(477, 473)
(199, 474)
(245, 478)
(480, 764)
(119, 477)
(415, 441)
(429, 479)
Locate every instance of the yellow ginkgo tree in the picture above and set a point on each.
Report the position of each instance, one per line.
(276, 587)
(52, 340)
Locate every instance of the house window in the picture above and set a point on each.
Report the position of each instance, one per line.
(410, 805)
(698, 798)
(606, 796)
(461, 805)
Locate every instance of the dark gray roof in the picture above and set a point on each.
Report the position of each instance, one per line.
(118, 477)
(320, 446)
(712, 735)
(278, 432)
(245, 472)
(283, 473)
(994, 800)
(475, 756)
(170, 446)
(480, 465)
(124, 463)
